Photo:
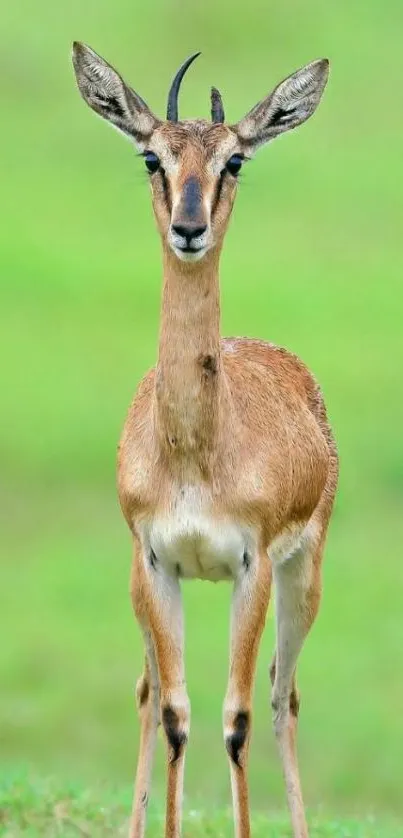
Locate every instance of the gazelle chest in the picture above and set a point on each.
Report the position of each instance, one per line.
(194, 543)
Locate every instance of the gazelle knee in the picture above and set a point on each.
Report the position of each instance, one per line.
(236, 734)
(280, 713)
(284, 707)
(176, 721)
(294, 699)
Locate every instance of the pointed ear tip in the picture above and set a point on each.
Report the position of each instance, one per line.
(323, 64)
(320, 69)
(78, 50)
(75, 54)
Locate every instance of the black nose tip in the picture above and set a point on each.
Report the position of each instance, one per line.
(188, 231)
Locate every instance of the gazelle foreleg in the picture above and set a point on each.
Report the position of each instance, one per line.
(157, 602)
(297, 586)
(147, 695)
(249, 607)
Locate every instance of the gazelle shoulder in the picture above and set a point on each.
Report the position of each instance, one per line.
(278, 363)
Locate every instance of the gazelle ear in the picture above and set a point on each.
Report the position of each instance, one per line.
(107, 94)
(292, 102)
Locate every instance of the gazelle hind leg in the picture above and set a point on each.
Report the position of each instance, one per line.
(249, 608)
(297, 594)
(147, 696)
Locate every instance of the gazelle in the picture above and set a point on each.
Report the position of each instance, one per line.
(227, 467)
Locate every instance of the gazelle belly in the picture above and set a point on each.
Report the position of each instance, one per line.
(194, 544)
(199, 548)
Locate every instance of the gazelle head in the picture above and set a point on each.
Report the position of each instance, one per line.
(194, 164)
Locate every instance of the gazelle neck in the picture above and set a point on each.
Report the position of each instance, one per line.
(189, 382)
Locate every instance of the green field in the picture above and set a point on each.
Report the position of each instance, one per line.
(313, 260)
(47, 810)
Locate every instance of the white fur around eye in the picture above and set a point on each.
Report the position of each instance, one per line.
(168, 160)
(222, 155)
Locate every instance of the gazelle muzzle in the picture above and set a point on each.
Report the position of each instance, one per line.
(189, 230)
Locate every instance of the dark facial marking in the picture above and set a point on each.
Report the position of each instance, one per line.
(246, 560)
(192, 197)
(176, 738)
(153, 559)
(167, 191)
(236, 741)
(218, 190)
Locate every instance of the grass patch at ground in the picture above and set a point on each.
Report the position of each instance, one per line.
(36, 807)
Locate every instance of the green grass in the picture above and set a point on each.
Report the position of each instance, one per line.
(313, 260)
(50, 810)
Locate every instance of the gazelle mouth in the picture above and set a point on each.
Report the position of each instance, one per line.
(189, 254)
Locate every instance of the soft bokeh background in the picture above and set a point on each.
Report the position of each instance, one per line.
(313, 260)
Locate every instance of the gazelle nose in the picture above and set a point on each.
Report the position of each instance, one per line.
(188, 231)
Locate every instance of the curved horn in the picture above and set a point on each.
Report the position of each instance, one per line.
(217, 107)
(172, 107)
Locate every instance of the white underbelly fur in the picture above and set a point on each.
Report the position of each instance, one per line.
(191, 543)
(198, 547)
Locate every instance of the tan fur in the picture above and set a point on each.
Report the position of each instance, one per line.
(227, 467)
(249, 427)
(245, 422)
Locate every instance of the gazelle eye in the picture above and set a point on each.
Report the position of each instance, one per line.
(234, 164)
(152, 161)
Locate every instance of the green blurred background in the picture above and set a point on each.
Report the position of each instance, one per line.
(80, 288)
